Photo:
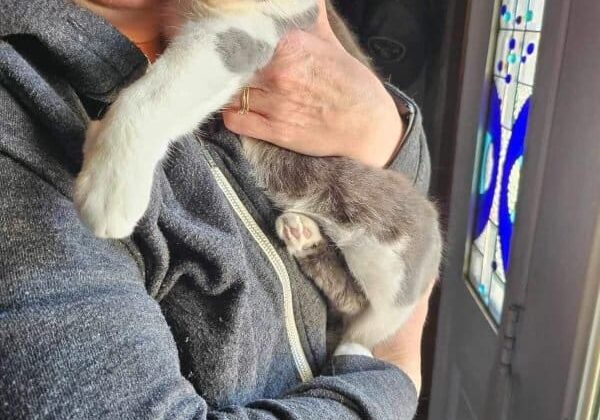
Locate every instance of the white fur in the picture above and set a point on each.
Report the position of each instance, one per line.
(187, 84)
(352, 349)
(380, 270)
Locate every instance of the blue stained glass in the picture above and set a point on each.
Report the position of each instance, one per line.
(514, 155)
(490, 164)
(502, 150)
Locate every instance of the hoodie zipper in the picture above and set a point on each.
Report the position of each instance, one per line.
(276, 262)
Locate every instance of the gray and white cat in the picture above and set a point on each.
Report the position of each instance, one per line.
(367, 238)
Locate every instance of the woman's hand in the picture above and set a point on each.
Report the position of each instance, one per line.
(315, 98)
(404, 348)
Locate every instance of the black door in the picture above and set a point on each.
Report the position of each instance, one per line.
(523, 214)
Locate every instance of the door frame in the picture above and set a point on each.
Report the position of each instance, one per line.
(535, 375)
(558, 224)
(471, 111)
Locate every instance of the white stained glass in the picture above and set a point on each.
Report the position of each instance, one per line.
(503, 146)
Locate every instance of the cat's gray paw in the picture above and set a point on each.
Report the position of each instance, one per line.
(299, 232)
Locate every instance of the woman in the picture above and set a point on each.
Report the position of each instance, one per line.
(200, 314)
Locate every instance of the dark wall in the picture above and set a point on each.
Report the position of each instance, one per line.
(396, 35)
(418, 46)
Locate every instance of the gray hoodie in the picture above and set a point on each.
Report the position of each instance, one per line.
(201, 313)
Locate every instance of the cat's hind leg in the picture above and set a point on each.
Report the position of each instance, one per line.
(322, 262)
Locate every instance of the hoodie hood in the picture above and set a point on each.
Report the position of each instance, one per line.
(94, 57)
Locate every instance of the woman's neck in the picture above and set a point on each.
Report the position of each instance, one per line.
(138, 20)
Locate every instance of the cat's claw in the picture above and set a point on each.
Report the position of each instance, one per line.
(299, 232)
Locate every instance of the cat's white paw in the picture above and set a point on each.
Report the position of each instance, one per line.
(110, 204)
(113, 189)
(107, 213)
(299, 232)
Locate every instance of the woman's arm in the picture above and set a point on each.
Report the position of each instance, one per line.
(81, 338)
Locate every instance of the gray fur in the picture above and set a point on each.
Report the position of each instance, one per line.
(345, 36)
(241, 53)
(422, 258)
(327, 268)
(359, 206)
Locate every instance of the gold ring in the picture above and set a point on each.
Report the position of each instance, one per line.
(245, 101)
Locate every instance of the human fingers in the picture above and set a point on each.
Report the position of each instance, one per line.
(259, 101)
(260, 127)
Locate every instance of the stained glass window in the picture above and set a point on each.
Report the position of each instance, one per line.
(502, 148)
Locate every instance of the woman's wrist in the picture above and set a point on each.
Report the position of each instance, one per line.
(407, 358)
